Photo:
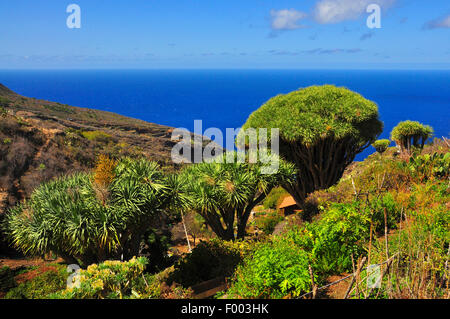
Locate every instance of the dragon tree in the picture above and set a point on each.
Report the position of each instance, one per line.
(322, 129)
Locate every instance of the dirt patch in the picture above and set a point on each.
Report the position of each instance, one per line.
(338, 290)
(16, 263)
(29, 275)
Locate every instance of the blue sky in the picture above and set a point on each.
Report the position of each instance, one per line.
(224, 34)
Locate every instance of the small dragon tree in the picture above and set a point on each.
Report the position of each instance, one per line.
(224, 194)
(409, 134)
(87, 218)
(381, 145)
(322, 128)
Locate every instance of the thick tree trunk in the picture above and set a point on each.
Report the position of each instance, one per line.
(213, 220)
(319, 166)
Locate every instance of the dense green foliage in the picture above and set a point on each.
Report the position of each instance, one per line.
(322, 128)
(429, 166)
(341, 235)
(410, 134)
(88, 222)
(381, 145)
(311, 114)
(275, 270)
(281, 267)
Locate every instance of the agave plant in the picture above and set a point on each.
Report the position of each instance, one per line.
(224, 194)
(85, 222)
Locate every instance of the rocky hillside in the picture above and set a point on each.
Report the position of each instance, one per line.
(40, 140)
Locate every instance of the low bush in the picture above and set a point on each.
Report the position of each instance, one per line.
(275, 270)
(378, 207)
(430, 166)
(341, 233)
(98, 136)
(281, 267)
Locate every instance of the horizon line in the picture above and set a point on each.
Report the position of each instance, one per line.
(225, 69)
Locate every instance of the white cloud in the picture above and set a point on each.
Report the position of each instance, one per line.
(286, 19)
(440, 23)
(334, 11)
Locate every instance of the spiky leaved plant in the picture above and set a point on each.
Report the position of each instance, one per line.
(225, 193)
(70, 217)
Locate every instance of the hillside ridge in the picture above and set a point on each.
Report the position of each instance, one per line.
(41, 140)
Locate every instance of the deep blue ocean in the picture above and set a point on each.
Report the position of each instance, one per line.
(225, 98)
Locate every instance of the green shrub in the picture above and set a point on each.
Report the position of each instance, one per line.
(342, 231)
(428, 166)
(98, 136)
(41, 286)
(275, 270)
(281, 267)
(381, 145)
(377, 208)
